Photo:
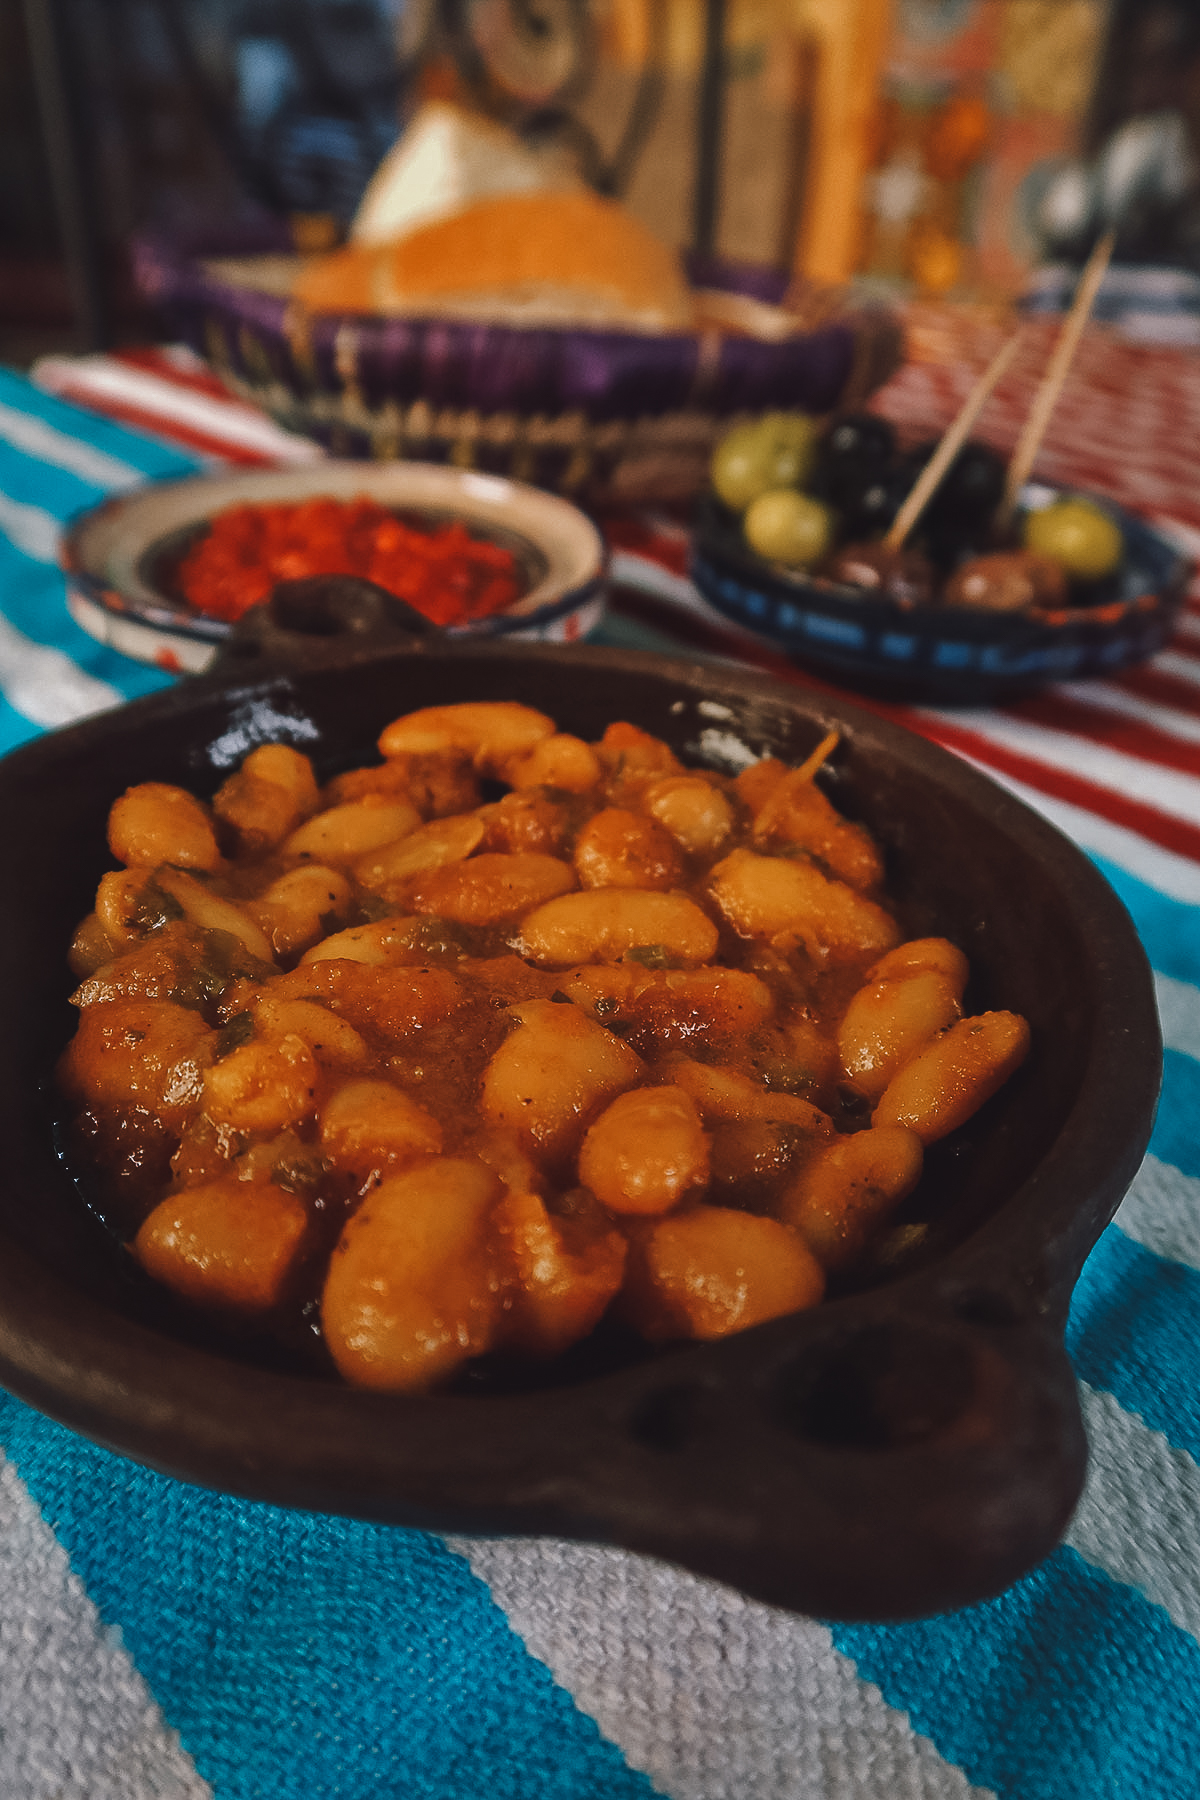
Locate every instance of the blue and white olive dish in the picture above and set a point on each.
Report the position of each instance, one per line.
(944, 653)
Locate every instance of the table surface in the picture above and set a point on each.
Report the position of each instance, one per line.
(161, 1641)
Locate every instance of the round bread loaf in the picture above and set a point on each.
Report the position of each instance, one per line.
(539, 259)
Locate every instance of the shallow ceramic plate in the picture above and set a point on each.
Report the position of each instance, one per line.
(120, 559)
(940, 652)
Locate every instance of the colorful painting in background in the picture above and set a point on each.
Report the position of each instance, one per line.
(981, 102)
(908, 142)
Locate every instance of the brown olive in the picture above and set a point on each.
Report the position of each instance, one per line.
(1007, 581)
(904, 575)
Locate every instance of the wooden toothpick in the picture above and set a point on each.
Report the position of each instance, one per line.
(1057, 370)
(950, 445)
(824, 750)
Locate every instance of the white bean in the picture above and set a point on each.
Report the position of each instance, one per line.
(603, 923)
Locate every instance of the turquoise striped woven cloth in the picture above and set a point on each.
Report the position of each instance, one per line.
(159, 1642)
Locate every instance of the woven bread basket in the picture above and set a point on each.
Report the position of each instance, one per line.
(600, 415)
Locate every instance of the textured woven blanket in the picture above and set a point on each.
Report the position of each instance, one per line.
(159, 1642)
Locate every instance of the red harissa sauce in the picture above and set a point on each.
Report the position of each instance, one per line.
(450, 576)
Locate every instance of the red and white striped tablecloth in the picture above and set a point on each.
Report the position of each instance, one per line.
(1123, 752)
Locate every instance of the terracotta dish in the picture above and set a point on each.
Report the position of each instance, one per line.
(907, 1447)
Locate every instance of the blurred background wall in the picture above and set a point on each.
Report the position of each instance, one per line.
(941, 146)
(174, 112)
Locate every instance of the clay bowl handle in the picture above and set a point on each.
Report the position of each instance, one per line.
(882, 1468)
(308, 622)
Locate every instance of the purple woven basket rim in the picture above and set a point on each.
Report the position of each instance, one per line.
(181, 255)
(603, 374)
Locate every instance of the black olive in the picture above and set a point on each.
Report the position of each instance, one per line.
(969, 493)
(853, 451)
(948, 544)
(870, 512)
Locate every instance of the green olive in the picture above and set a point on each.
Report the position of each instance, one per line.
(788, 527)
(1081, 538)
(794, 436)
(776, 451)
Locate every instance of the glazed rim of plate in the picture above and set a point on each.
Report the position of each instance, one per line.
(112, 549)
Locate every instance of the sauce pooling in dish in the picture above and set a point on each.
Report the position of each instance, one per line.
(454, 1076)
